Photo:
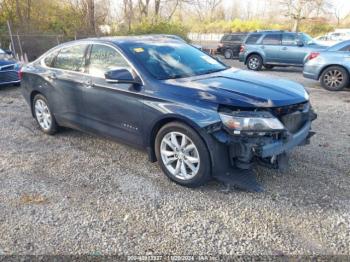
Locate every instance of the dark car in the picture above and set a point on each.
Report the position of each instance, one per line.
(197, 117)
(276, 48)
(9, 69)
(230, 45)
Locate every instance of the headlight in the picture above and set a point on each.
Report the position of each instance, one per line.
(251, 122)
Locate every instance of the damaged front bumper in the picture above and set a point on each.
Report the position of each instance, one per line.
(245, 151)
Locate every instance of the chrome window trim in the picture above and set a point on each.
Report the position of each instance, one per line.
(42, 58)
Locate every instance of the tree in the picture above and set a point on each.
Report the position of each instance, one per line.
(299, 10)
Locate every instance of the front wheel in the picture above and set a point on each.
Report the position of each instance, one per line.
(334, 78)
(182, 155)
(254, 62)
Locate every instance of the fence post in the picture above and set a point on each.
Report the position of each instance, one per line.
(10, 32)
(19, 44)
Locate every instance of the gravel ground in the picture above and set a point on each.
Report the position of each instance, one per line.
(77, 194)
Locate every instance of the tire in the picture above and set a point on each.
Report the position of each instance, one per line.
(43, 116)
(228, 53)
(334, 78)
(269, 67)
(254, 62)
(194, 176)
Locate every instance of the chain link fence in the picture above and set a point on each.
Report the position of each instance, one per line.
(30, 46)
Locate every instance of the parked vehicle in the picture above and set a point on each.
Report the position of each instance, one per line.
(9, 69)
(276, 48)
(331, 66)
(199, 118)
(230, 45)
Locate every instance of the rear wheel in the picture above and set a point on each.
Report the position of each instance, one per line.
(334, 78)
(228, 53)
(43, 115)
(254, 62)
(182, 155)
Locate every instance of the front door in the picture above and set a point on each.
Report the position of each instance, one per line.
(291, 53)
(112, 109)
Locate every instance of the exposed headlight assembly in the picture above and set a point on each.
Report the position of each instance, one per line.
(251, 122)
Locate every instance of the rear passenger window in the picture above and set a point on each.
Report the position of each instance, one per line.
(48, 60)
(253, 38)
(272, 39)
(236, 38)
(71, 58)
(225, 38)
(289, 39)
(104, 58)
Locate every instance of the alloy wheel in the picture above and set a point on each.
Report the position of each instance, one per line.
(180, 155)
(333, 78)
(43, 114)
(254, 63)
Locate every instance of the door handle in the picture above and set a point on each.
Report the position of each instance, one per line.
(262, 47)
(284, 48)
(87, 84)
(52, 76)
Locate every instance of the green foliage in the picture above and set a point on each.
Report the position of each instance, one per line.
(316, 29)
(236, 25)
(163, 27)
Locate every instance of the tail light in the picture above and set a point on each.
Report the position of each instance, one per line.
(241, 50)
(20, 74)
(313, 55)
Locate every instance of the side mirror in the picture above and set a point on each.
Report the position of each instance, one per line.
(300, 43)
(121, 75)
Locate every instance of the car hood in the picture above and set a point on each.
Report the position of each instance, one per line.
(241, 88)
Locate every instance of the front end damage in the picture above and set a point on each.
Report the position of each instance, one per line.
(247, 141)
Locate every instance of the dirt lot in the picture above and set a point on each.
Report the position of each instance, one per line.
(74, 193)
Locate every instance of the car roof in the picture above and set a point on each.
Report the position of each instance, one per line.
(133, 39)
(237, 33)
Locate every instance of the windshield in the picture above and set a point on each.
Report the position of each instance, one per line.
(5, 56)
(307, 40)
(174, 60)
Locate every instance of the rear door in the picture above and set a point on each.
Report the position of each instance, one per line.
(67, 79)
(112, 109)
(271, 45)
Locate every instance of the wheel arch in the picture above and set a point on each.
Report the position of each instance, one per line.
(162, 122)
(328, 66)
(254, 53)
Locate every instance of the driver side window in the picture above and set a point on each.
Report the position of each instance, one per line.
(104, 58)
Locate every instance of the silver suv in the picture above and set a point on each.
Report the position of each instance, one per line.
(276, 48)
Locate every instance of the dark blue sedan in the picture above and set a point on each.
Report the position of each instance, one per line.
(9, 69)
(194, 115)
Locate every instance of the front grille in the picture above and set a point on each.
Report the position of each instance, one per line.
(293, 117)
(8, 76)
